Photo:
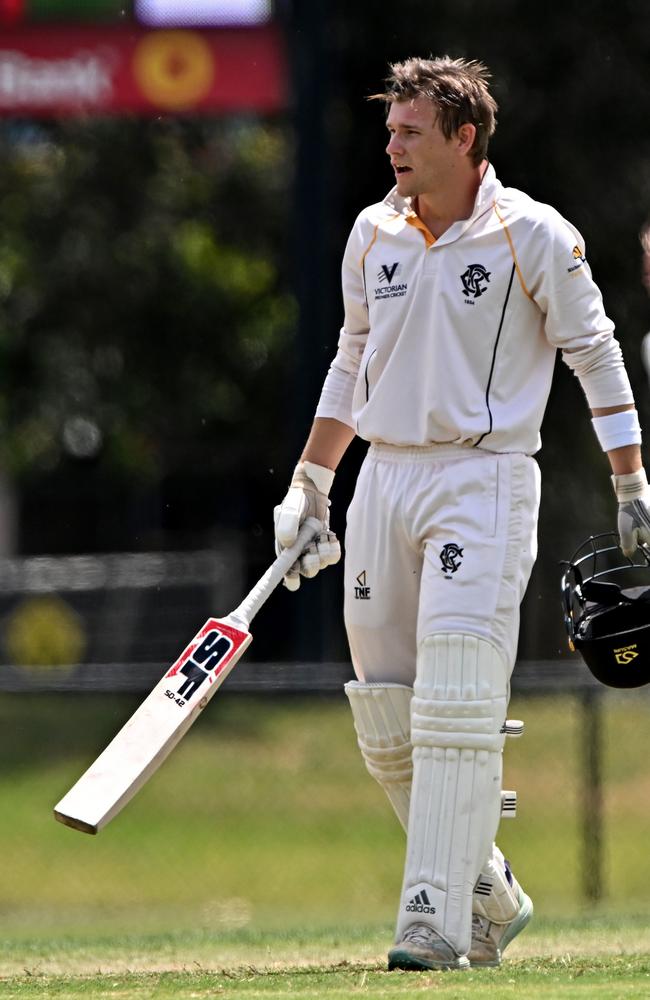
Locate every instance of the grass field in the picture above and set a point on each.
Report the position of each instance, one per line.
(262, 861)
(605, 959)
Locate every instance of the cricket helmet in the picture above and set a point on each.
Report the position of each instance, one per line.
(606, 599)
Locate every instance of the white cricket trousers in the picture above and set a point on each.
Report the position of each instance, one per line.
(439, 539)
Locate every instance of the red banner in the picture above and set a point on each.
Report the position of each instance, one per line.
(62, 71)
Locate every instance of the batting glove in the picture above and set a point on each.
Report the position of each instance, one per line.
(307, 497)
(633, 497)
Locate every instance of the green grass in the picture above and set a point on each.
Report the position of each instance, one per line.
(265, 817)
(526, 981)
(598, 959)
(262, 861)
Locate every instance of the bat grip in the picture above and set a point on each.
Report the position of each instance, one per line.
(276, 571)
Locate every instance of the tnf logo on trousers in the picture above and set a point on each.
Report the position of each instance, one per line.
(362, 592)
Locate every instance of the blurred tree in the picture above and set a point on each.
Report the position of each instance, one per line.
(143, 307)
(151, 353)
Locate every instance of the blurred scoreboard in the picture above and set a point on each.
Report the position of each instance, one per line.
(147, 57)
(155, 13)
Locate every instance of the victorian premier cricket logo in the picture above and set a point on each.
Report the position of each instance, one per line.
(389, 287)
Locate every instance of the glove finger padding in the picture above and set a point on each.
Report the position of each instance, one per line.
(329, 549)
(323, 551)
(633, 497)
(288, 517)
(633, 526)
(307, 497)
(292, 579)
(310, 562)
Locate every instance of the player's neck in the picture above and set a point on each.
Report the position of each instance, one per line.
(441, 209)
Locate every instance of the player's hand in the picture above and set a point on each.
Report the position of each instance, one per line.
(307, 497)
(633, 495)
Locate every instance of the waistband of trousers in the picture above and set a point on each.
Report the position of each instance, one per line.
(424, 453)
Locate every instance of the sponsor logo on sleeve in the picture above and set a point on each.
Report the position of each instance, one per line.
(579, 259)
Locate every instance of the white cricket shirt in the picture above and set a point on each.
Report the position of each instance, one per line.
(454, 340)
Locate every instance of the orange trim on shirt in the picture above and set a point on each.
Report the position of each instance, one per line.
(512, 251)
(416, 221)
(369, 247)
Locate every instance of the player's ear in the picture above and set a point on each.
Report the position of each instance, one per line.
(465, 138)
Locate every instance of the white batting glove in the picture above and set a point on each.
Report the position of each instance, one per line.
(307, 497)
(633, 497)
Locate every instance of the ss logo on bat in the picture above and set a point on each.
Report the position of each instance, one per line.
(205, 658)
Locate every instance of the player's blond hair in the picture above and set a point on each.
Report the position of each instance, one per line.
(458, 89)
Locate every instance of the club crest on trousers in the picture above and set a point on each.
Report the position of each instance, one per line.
(451, 557)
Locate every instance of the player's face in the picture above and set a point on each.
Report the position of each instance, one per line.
(422, 159)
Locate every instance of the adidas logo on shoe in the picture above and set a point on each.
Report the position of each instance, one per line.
(483, 887)
(420, 904)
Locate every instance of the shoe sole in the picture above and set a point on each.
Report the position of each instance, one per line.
(521, 920)
(400, 958)
(523, 917)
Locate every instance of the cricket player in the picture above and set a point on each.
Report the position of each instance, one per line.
(457, 294)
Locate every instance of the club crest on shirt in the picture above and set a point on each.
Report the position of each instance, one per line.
(475, 280)
(451, 557)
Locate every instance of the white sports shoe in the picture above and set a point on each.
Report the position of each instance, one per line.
(490, 940)
(423, 948)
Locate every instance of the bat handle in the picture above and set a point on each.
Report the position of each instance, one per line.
(276, 571)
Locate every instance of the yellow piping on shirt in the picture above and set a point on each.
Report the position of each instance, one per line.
(369, 247)
(514, 255)
(415, 221)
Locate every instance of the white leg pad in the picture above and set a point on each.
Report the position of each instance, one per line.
(494, 897)
(382, 719)
(457, 716)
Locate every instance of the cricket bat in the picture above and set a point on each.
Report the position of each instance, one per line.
(175, 703)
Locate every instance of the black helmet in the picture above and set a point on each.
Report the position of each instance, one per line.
(606, 598)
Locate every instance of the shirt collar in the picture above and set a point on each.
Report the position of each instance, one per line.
(486, 195)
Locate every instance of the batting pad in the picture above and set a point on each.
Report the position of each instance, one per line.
(382, 719)
(457, 714)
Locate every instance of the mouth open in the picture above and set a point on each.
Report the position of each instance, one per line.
(402, 170)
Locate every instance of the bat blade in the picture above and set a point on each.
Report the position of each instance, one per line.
(167, 713)
(155, 728)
